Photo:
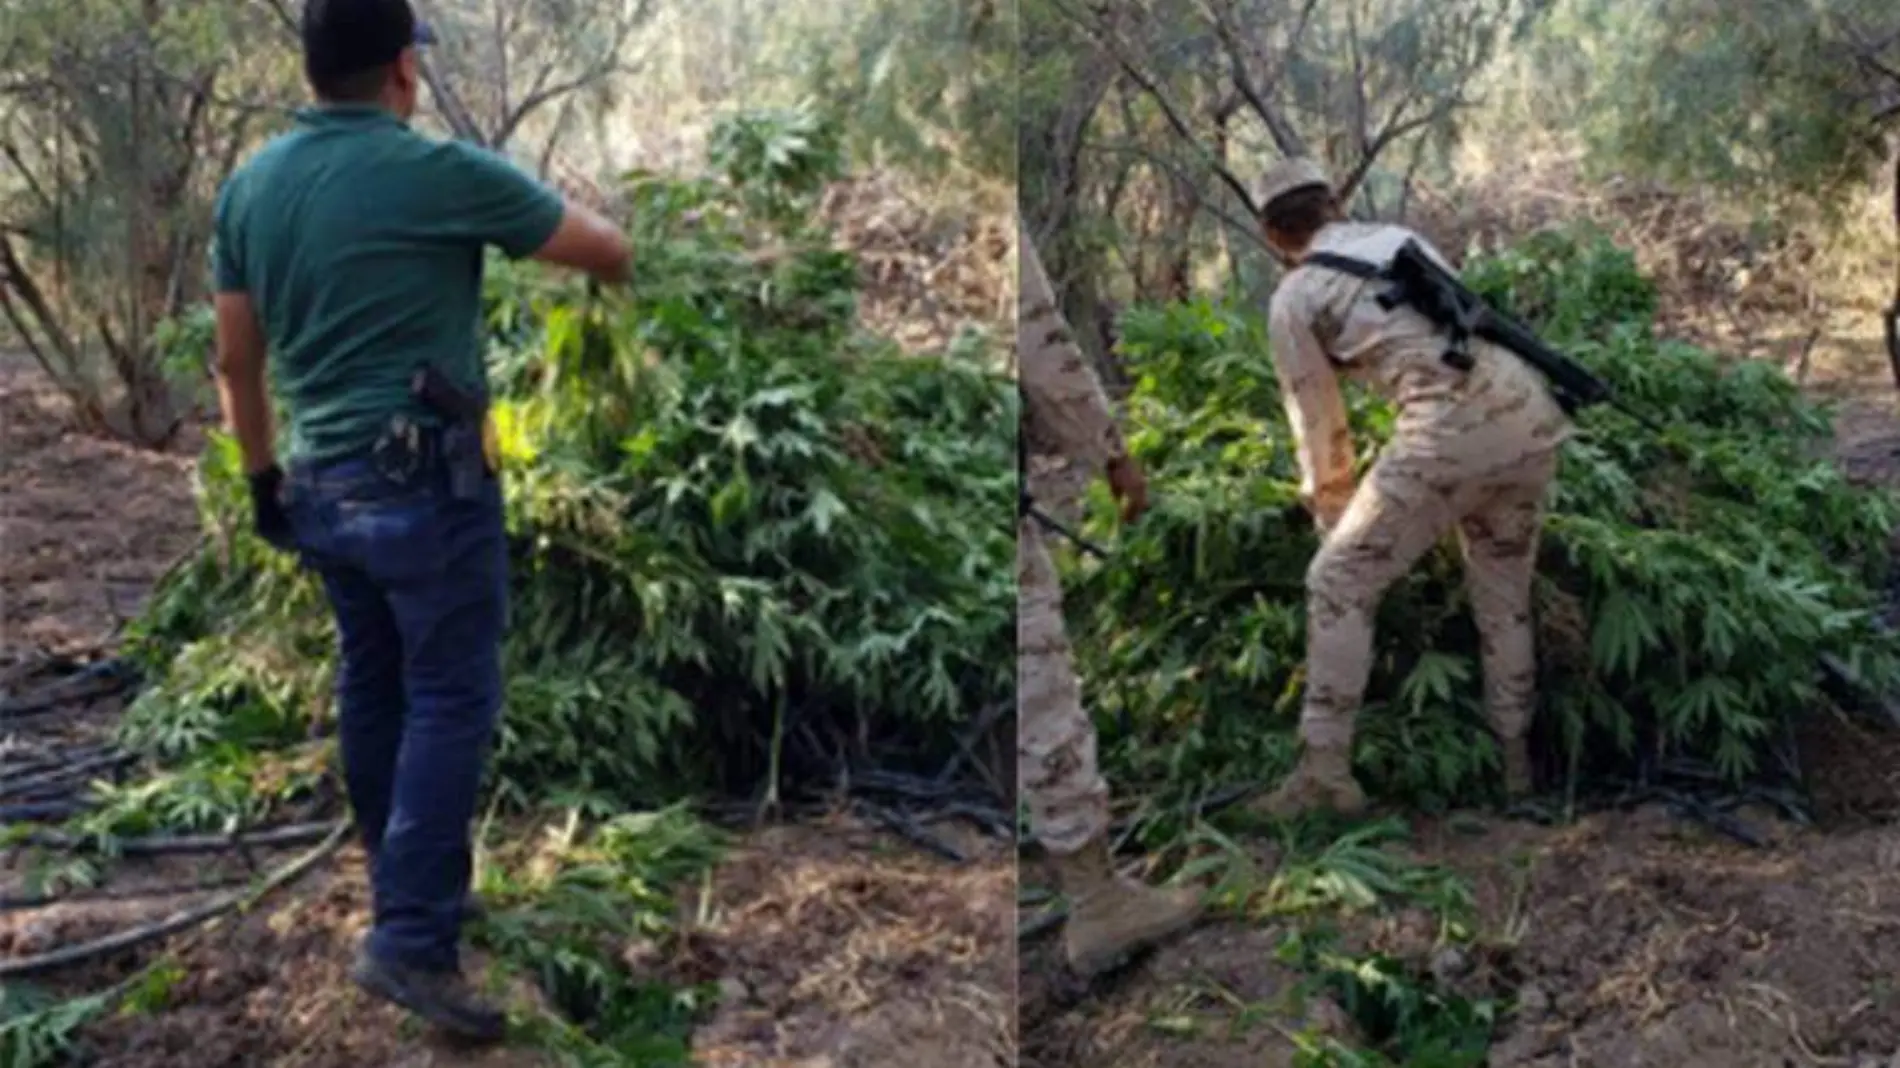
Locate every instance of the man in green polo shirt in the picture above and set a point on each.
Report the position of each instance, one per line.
(350, 251)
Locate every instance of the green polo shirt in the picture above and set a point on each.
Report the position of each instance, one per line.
(361, 242)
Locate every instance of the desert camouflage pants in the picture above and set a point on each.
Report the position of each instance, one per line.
(1067, 798)
(1406, 503)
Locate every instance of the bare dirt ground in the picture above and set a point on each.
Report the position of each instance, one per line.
(86, 525)
(834, 946)
(854, 952)
(931, 262)
(1626, 940)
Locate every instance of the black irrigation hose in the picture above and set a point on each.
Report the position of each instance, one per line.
(906, 826)
(1695, 808)
(66, 791)
(1224, 797)
(985, 721)
(1699, 799)
(28, 902)
(904, 804)
(992, 821)
(134, 937)
(925, 796)
(55, 754)
(42, 707)
(1680, 805)
(1709, 811)
(13, 786)
(1030, 896)
(102, 679)
(32, 765)
(1047, 920)
(818, 755)
(912, 787)
(161, 845)
(27, 670)
(43, 760)
(1842, 678)
(41, 811)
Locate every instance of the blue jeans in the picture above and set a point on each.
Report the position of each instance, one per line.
(419, 584)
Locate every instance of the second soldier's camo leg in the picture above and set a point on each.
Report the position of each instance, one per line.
(1500, 549)
(1065, 792)
(1396, 515)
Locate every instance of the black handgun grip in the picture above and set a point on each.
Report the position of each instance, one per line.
(434, 389)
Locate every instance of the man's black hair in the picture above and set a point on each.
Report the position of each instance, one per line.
(1301, 213)
(356, 87)
(349, 45)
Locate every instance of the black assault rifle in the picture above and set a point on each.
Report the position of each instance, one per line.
(1418, 281)
(1026, 505)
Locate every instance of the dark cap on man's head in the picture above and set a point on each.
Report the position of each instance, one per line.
(345, 37)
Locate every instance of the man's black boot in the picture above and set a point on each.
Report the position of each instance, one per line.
(442, 998)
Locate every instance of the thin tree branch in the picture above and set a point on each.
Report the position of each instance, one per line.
(1285, 137)
(27, 337)
(1362, 110)
(1880, 67)
(1168, 109)
(12, 153)
(461, 122)
(13, 274)
(1146, 155)
(543, 96)
(134, 937)
(504, 88)
(450, 105)
(285, 16)
(1411, 177)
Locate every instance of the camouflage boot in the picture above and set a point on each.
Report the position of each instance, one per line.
(1111, 917)
(1322, 780)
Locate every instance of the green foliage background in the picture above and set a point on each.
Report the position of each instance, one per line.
(1778, 103)
(1688, 585)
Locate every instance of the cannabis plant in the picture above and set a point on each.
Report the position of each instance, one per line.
(750, 541)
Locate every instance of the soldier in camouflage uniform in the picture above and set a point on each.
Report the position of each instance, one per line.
(1473, 451)
(1065, 412)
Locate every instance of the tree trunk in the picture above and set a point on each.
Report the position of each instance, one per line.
(1223, 153)
(1893, 309)
(148, 411)
(1065, 254)
(1174, 266)
(35, 314)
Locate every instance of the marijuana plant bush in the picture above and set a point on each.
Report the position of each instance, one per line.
(1689, 582)
(743, 529)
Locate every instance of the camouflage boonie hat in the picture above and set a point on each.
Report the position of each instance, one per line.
(1289, 176)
